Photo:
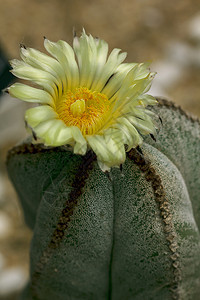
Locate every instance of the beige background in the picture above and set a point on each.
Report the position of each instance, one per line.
(155, 30)
(164, 32)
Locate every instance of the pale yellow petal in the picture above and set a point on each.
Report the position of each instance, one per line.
(54, 133)
(130, 135)
(91, 55)
(30, 94)
(147, 100)
(114, 60)
(116, 81)
(40, 77)
(65, 55)
(34, 116)
(110, 153)
(144, 126)
(46, 63)
(80, 146)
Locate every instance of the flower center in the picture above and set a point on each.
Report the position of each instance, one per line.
(85, 109)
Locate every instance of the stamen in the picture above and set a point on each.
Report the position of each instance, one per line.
(85, 109)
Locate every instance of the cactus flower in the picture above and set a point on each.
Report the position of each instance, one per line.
(87, 98)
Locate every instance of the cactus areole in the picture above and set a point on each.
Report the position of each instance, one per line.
(113, 218)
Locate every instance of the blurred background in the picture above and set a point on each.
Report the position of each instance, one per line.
(167, 33)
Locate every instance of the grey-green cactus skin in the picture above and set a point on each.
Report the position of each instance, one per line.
(132, 234)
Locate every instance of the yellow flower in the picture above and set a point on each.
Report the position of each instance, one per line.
(86, 98)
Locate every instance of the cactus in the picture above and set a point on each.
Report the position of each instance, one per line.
(132, 233)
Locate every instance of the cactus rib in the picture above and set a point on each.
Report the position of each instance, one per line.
(153, 177)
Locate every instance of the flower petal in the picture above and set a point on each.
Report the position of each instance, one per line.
(114, 60)
(130, 91)
(16, 63)
(129, 135)
(147, 100)
(141, 71)
(141, 113)
(91, 55)
(54, 133)
(110, 153)
(133, 84)
(65, 55)
(46, 63)
(86, 54)
(80, 146)
(30, 94)
(116, 80)
(144, 126)
(40, 77)
(36, 115)
(102, 52)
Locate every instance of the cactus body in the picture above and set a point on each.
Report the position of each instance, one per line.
(132, 234)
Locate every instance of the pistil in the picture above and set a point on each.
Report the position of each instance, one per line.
(77, 108)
